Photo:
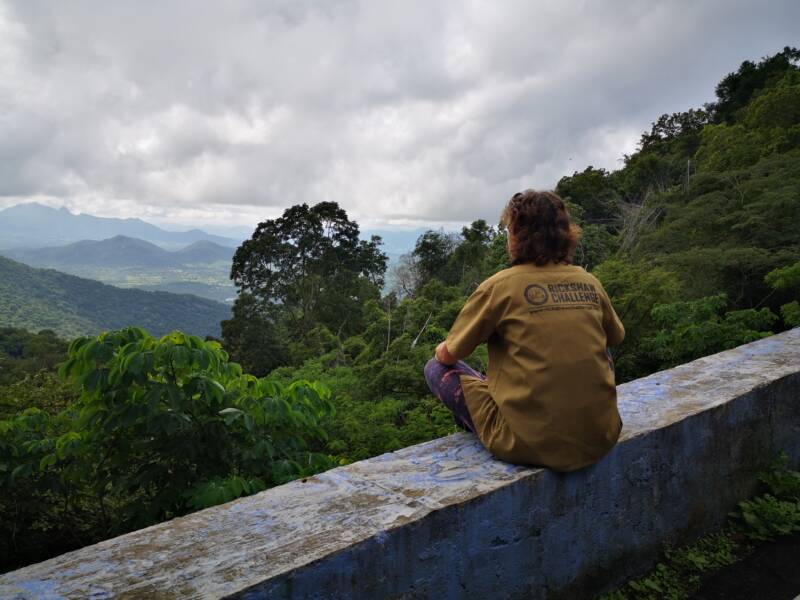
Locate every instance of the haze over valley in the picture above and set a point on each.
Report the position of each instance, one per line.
(131, 253)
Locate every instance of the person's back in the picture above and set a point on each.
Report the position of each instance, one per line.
(550, 398)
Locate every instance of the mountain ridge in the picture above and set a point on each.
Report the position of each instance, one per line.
(120, 251)
(36, 225)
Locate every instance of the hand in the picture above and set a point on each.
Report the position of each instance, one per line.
(443, 355)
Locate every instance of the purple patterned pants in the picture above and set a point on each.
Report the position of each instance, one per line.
(445, 383)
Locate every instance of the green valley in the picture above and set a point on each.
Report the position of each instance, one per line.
(71, 306)
(201, 268)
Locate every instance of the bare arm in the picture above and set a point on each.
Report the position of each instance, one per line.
(443, 355)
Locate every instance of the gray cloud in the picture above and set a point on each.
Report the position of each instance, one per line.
(404, 113)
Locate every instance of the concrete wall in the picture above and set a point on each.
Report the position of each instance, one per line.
(444, 519)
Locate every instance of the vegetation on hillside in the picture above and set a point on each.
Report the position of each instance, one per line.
(201, 268)
(23, 353)
(157, 428)
(70, 306)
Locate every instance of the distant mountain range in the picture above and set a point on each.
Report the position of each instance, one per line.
(38, 299)
(34, 225)
(132, 253)
(121, 252)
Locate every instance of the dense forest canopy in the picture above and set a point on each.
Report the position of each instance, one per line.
(300, 275)
(696, 239)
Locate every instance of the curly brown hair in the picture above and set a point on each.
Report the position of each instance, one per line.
(540, 228)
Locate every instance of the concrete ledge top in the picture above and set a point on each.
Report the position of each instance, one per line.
(232, 547)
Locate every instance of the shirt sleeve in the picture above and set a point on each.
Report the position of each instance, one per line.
(474, 324)
(615, 330)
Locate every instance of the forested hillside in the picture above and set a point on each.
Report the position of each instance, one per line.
(201, 268)
(696, 239)
(70, 306)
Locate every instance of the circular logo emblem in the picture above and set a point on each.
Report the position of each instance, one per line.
(535, 294)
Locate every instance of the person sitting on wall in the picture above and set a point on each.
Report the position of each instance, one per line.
(550, 397)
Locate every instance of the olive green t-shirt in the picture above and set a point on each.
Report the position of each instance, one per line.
(550, 398)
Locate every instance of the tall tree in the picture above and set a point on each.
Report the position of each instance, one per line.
(467, 262)
(432, 253)
(252, 337)
(309, 268)
(594, 191)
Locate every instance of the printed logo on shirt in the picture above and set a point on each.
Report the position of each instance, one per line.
(561, 296)
(535, 294)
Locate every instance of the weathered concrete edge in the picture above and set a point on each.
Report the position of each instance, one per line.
(470, 477)
(499, 546)
(325, 574)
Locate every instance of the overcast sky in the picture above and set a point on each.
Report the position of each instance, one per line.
(405, 113)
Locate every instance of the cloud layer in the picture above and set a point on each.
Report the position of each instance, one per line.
(406, 113)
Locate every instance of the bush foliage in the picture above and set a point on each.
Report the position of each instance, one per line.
(160, 427)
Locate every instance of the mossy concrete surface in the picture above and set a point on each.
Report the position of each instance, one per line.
(444, 519)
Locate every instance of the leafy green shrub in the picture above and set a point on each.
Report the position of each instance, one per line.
(787, 279)
(679, 573)
(781, 480)
(696, 328)
(775, 513)
(767, 517)
(160, 427)
(43, 390)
